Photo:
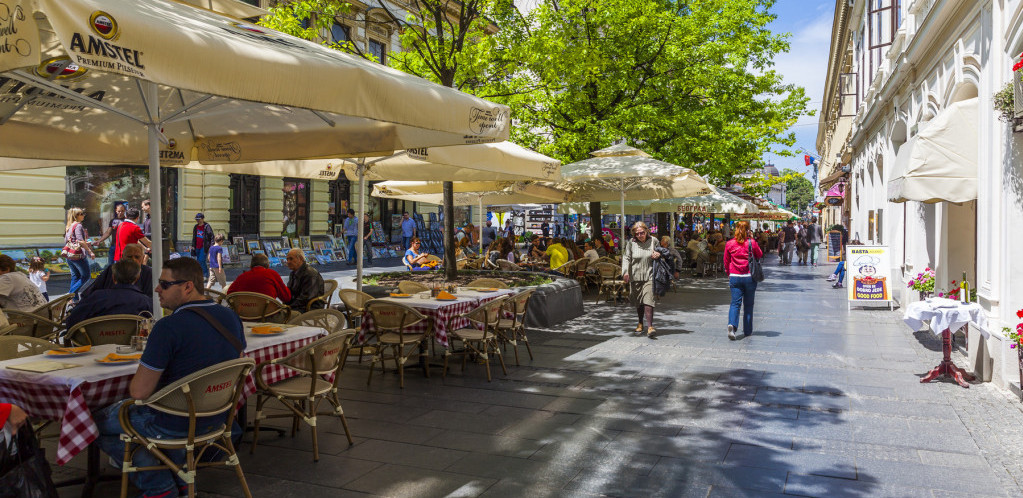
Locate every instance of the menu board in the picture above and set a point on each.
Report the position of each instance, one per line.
(835, 245)
(869, 270)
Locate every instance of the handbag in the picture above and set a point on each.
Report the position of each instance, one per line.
(24, 472)
(756, 270)
(72, 246)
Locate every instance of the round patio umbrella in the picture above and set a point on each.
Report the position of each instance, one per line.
(622, 173)
(717, 201)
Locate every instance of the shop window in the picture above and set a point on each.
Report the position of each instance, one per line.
(848, 95)
(295, 207)
(379, 50)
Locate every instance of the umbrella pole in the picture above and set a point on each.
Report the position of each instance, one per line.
(622, 227)
(480, 197)
(155, 201)
(362, 213)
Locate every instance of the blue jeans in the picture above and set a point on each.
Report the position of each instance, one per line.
(840, 271)
(813, 253)
(351, 247)
(152, 482)
(743, 289)
(202, 256)
(367, 251)
(406, 242)
(79, 273)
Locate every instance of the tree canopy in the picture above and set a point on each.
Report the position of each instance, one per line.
(799, 191)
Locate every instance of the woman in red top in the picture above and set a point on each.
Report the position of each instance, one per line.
(742, 285)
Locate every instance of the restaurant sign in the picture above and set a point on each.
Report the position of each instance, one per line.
(870, 276)
(691, 208)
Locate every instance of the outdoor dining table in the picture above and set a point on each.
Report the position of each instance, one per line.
(439, 312)
(943, 316)
(69, 396)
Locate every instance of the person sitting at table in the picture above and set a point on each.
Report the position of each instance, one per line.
(179, 345)
(261, 279)
(105, 280)
(557, 253)
(415, 260)
(591, 252)
(699, 252)
(601, 245)
(123, 298)
(304, 282)
(17, 292)
(536, 252)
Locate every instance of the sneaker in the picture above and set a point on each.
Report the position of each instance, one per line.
(731, 333)
(832, 277)
(838, 285)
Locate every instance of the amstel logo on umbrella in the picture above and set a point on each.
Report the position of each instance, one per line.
(104, 25)
(60, 68)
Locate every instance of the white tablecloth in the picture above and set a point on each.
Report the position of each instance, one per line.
(942, 313)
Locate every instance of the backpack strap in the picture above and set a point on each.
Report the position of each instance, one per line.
(220, 328)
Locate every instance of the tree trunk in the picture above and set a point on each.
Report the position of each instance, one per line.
(450, 266)
(596, 226)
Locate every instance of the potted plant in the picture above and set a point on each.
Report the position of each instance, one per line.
(1016, 342)
(923, 283)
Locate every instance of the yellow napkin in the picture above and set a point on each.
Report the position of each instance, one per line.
(445, 295)
(395, 294)
(74, 350)
(266, 330)
(121, 357)
(43, 366)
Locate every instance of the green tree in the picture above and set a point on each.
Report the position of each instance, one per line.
(690, 81)
(799, 191)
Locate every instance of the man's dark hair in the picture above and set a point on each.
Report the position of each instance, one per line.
(813, 220)
(405, 213)
(260, 260)
(351, 212)
(132, 214)
(126, 271)
(7, 263)
(185, 269)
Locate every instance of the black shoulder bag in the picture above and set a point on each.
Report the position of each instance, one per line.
(220, 328)
(756, 270)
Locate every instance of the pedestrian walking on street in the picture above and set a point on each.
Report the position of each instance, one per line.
(638, 258)
(814, 236)
(738, 252)
(202, 240)
(839, 273)
(217, 263)
(802, 244)
(77, 250)
(408, 230)
(351, 226)
(787, 243)
(39, 275)
(120, 209)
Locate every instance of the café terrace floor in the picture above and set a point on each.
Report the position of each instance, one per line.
(820, 401)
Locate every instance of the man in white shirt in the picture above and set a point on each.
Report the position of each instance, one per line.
(590, 252)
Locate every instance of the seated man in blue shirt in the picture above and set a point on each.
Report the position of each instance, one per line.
(179, 345)
(105, 280)
(123, 298)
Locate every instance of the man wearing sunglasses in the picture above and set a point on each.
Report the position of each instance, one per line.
(179, 345)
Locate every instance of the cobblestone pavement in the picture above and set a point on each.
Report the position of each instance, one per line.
(820, 401)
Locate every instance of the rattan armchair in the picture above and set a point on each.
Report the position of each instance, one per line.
(480, 338)
(329, 286)
(505, 265)
(611, 283)
(302, 394)
(256, 307)
(214, 295)
(410, 287)
(32, 325)
(209, 392)
(56, 309)
(390, 327)
(354, 302)
(567, 269)
(19, 346)
(110, 329)
(488, 282)
(511, 328)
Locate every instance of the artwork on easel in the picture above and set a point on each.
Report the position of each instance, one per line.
(232, 254)
(307, 244)
(269, 247)
(253, 246)
(295, 243)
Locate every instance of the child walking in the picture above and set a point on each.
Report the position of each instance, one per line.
(39, 275)
(217, 263)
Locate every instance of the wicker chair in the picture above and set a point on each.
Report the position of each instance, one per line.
(410, 287)
(480, 338)
(18, 346)
(256, 307)
(354, 303)
(303, 393)
(582, 276)
(505, 265)
(329, 286)
(217, 296)
(32, 325)
(566, 269)
(209, 392)
(611, 283)
(513, 330)
(110, 329)
(488, 282)
(328, 319)
(390, 321)
(56, 309)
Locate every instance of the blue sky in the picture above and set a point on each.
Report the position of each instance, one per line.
(806, 65)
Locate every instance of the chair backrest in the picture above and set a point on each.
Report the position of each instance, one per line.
(354, 300)
(321, 357)
(506, 265)
(566, 269)
(488, 282)
(329, 287)
(410, 287)
(328, 319)
(256, 307)
(487, 315)
(56, 309)
(110, 329)
(31, 325)
(392, 317)
(217, 296)
(210, 391)
(608, 270)
(581, 265)
(13, 346)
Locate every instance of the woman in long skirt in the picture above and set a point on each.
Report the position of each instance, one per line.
(637, 272)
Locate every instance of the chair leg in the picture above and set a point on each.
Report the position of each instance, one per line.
(525, 341)
(124, 475)
(401, 367)
(260, 400)
(444, 374)
(316, 444)
(233, 457)
(486, 357)
(341, 414)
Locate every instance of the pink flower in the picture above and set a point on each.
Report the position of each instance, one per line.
(912, 283)
(1012, 346)
(941, 294)
(1019, 314)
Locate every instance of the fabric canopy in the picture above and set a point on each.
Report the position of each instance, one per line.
(939, 163)
(718, 201)
(463, 163)
(227, 91)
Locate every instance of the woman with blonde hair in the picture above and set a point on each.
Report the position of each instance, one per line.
(738, 252)
(77, 249)
(638, 257)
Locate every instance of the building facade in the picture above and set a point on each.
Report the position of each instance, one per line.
(909, 124)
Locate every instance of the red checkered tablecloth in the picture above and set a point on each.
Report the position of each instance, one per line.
(436, 316)
(73, 406)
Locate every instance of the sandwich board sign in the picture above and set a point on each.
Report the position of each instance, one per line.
(869, 270)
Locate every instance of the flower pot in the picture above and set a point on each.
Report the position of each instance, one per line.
(925, 294)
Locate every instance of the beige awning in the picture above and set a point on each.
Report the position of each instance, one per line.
(939, 163)
(462, 163)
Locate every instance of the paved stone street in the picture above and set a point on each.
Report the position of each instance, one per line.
(820, 401)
